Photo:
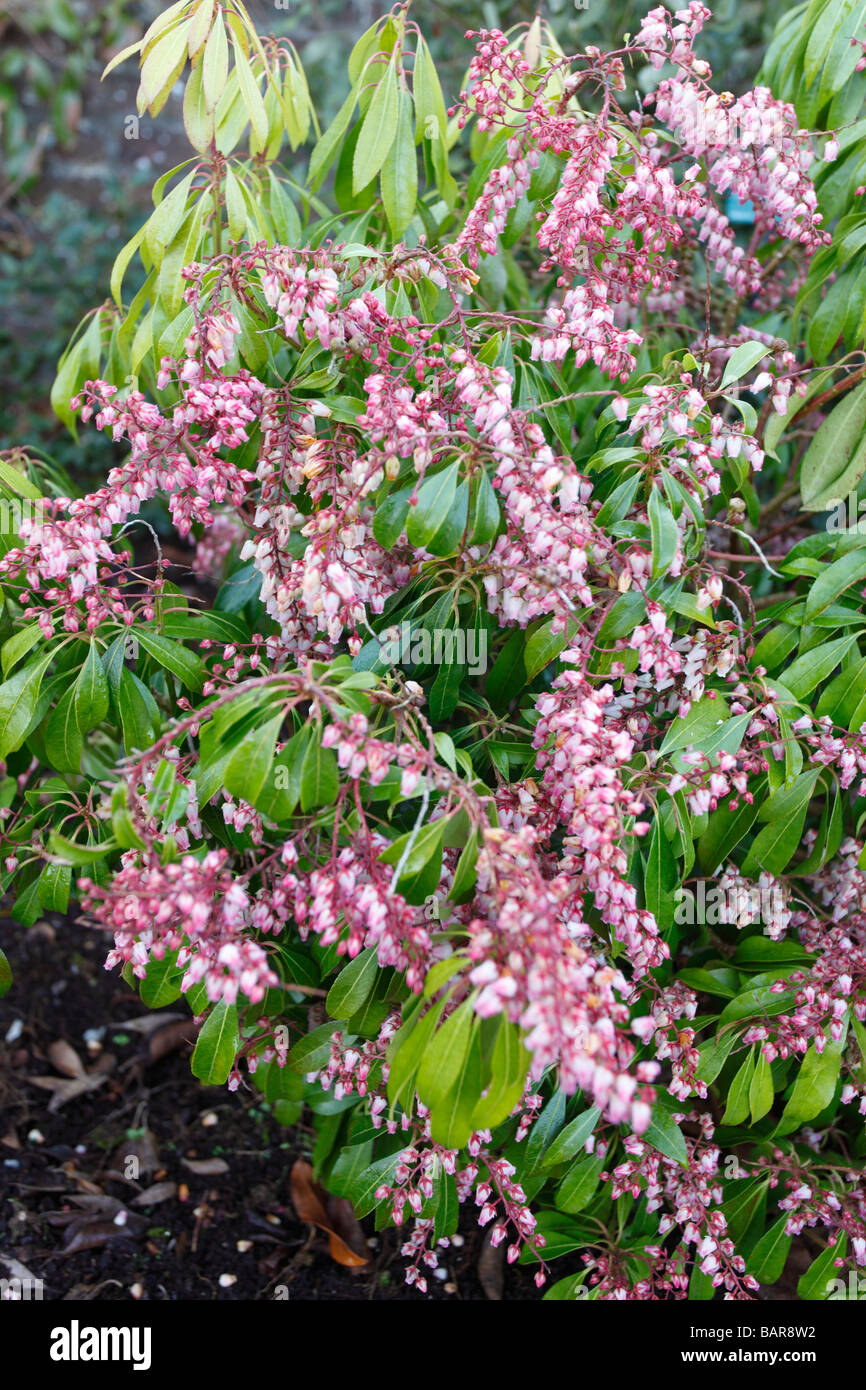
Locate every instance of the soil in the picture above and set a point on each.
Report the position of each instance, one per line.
(70, 1216)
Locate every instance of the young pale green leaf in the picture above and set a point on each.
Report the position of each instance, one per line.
(378, 131)
(197, 119)
(328, 146)
(399, 180)
(215, 64)
(742, 360)
(251, 93)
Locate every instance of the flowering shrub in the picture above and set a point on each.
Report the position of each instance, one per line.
(519, 642)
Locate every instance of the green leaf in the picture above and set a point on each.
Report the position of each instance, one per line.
(836, 458)
(162, 982)
(833, 581)
(664, 534)
(435, 500)
(661, 877)
(714, 1054)
(55, 882)
(362, 1193)
(737, 1107)
(572, 1138)
(18, 645)
(312, 1051)
(400, 172)
(542, 647)
(451, 1119)
(74, 853)
(815, 1086)
(18, 698)
(353, 985)
(320, 780)
(815, 1285)
(378, 131)
(187, 666)
(64, 742)
(217, 1045)
(665, 1135)
(579, 1183)
(767, 1261)
(248, 768)
(5, 975)
(326, 150)
(742, 360)
(251, 94)
(509, 1065)
(446, 1053)
(91, 692)
(761, 1089)
(136, 717)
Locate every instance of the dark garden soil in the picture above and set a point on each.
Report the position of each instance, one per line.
(90, 1078)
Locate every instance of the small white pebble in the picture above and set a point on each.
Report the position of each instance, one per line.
(243, 1246)
(36, 1136)
(457, 1241)
(440, 1273)
(450, 1288)
(120, 1218)
(14, 1031)
(226, 1280)
(209, 1119)
(136, 1290)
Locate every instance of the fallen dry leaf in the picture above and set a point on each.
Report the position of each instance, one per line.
(148, 1024)
(313, 1204)
(168, 1039)
(152, 1196)
(67, 1090)
(491, 1269)
(65, 1059)
(205, 1167)
(91, 1235)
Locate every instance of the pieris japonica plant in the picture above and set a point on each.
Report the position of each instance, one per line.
(503, 446)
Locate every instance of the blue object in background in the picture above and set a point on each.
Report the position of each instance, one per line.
(739, 214)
